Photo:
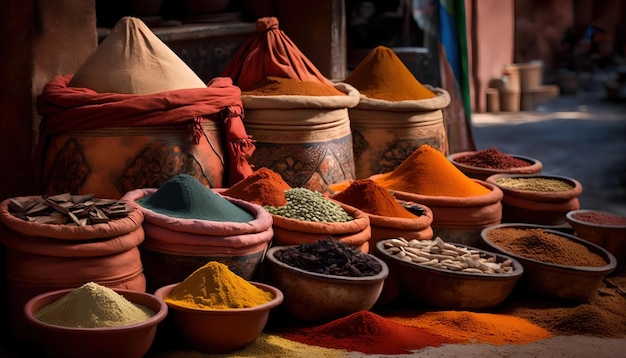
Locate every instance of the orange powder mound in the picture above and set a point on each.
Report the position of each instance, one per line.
(428, 172)
(472, 327)
(383, 75)
(290, 86)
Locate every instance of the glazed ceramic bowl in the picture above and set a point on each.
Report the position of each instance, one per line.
(610, 234)
(447, 289)
(576, 283)
(311, 296)
(482, 173)
(537, 207)
(131, 341)
(213, 331)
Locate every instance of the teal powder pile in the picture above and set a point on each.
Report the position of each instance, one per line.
(185, 197)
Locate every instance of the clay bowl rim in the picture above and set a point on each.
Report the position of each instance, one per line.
(363, 280)
(606, 269)
(560, 195)
(163, 291)
(518, 268)
(535, 165)
(58, 294)
(418, 222)
(573, 221)
(495, 194)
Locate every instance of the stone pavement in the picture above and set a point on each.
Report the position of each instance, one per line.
(581, 136)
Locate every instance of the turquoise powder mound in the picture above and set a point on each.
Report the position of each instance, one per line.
(185, 197)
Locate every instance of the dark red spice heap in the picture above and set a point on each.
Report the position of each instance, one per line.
(595, 217)
(369, 333)
(492, 158)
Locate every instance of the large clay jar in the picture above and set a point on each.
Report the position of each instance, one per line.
(537, 207)
(48, 257)
(305, 139)
(175, 247)
(356, 232)
(385, 132)
(461, 219)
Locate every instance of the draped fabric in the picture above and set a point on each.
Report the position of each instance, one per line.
(66, 108)
(270, 52)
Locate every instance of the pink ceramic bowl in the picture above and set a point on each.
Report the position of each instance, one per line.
(131, 341)
(212, 331)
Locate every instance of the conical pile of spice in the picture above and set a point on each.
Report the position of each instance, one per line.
(91, 306)
(428, 172)
(366, 195)
(185, 197)
(215, 286)
(263, 187)
(383, 75)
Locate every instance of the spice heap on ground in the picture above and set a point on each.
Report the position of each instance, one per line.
(93, 306)
(185, 197)
(492, 158)
(366, 195)
(383, 75)
(329, 257)
(428, 172)
(215, 286)
(263, 187)
(308, 205)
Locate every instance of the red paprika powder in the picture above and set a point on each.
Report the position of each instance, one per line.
(263, 187)
(372, 198)
(368, 333)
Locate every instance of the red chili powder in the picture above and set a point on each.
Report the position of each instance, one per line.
(492, 158)
(368, 333)
(596, 217)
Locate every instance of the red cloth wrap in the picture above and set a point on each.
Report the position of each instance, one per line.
(269, 52)
(76, 108)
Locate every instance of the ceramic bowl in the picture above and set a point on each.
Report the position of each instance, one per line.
(213, 331)
(610, 236)
(447, 289)
(131, 341)
(537, 207)
(482, 173)
(576, 283)
(311, 296)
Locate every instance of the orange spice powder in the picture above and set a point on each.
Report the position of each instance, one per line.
(383, 75)
(275, 86)
(428, 172)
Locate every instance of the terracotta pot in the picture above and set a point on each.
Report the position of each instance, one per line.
(460, 219)
(46, 257)
(537, 207)
(356, 232)
(176, 247)
(385, 227)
